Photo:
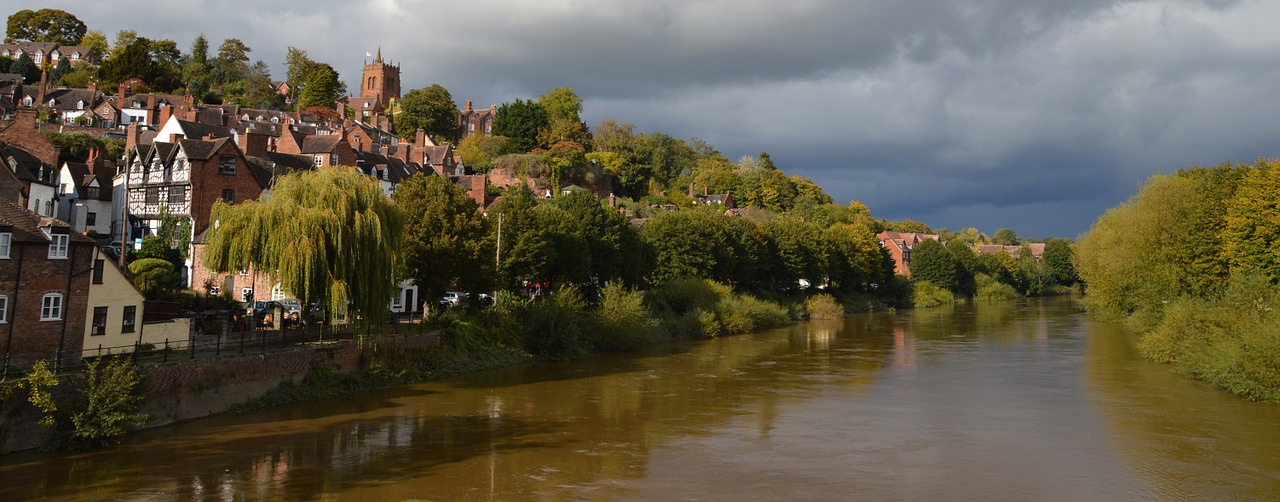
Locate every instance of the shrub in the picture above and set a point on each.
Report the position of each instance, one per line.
(110, 400)
(823, 306)
(744, 313)
(992, 290)
(926, 294)
(679, 296)
(623, 322)
(552, 326)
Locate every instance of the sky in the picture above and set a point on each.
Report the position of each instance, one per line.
(1034, 115)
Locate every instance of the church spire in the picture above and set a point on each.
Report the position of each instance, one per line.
(378, 58)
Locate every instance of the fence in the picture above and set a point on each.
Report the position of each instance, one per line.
(208, 343)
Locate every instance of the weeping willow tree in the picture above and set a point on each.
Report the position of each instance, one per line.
(328, 236)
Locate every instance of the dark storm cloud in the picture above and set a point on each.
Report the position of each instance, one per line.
(1030, 114)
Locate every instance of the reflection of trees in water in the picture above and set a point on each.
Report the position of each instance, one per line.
(548, 429)
(1187, 440)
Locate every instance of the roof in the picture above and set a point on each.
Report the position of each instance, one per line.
(26, 225)
(319, 143)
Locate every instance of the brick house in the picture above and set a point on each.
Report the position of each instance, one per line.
(472, 121)
(47, 53)
(44, 287)
(33, 159)
(323, 149)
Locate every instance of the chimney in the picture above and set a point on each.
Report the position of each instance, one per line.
(131, 136)
(468, 108)
(690, 189)
(166, 111)
(421, 138)
(613, 201)
(41, 88)
(92, 86)
(706, 190)
(92, 160)
(120, 95)
(173, 138)
(151, 106)
(382, 150)
(402, 152)
(254, 144)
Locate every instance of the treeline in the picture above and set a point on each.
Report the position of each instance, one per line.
(1192, 261)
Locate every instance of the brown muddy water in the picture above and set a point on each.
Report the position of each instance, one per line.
(1027, 400)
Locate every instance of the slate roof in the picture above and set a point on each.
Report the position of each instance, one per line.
(26, 225)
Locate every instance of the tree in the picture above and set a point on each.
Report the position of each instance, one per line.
(446, 238)
(1057, 260)
(109, 400)
(1005, 237)
(966, 267)
(910, 226)
(63, 67)
(44, 25)
(195, 71)
(617, 253)
(797, 250)
(430, 109)
(563, 108)
(479, 151)
(132, 60)
(540, 243)
(520, 122)
(854, 258)
(321, 89)
(329, 236)
(232, 61)
(930, 262)
(96, 41)
(1251, 234)
(27, 68)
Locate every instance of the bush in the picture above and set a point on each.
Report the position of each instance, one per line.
(623, 322)
(109, 401)
(739, 314)
(823, 306)
(992, 290)
(926, 294)
(696, 323)
(552, 326)
(680, 296)
(1232, 341)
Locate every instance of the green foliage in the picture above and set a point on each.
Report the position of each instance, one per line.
(1129, 259)
(75, 146)
(321, 89)
(798, 250)
(990, 289)
(552, 326)
(44, 25)
(540, 243)
(196, 72)
(520, 121)
(932, 263)
(739, 313)
(446, 238)
(1058, 257)
(1251, 231)
(563, 107)
(430, 109)
(109, 401)
(705, 244)
(823, 306)
(328, 236)
(62, 68)
(37, 385)
(1231, 341)
(623, 322)
(27, 68)
(907, 226)
(614, 244)
(154, 276)
(703, 309)
(1005, 237)
(853, 257)
(479, 152)
(926, 294)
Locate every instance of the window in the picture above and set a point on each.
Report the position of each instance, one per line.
(226, 164)
(6, 243)
(99, 321)
(333, 159)
(130, 316)
(246, 294)
(153, 195)
(58, 245)
(471, 127)
(48, 208)
(4, 309)
(177, 194)
(277, 292)
(51, 307)
(319, 160)
(62, 189)
(98, 266)
(229, 196)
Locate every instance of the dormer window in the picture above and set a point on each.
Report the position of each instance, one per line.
(80, 105)
(59, 239)
(275, 120)
(26, 101)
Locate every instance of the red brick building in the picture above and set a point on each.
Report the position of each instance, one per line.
(45, 271)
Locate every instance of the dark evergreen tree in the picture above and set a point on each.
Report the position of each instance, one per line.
(27, 68)
(519, 122)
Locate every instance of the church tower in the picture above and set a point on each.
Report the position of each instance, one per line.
(380, 81)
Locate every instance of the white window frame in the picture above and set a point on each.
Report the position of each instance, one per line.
(6, 245)
(58, 244)
(4, 309)
(51, 307)
(318, 160)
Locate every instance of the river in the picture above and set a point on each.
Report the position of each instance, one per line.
(1026, 400)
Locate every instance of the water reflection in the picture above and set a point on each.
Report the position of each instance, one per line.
(983, 401)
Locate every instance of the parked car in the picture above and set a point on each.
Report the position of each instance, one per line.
(291, 306)
(260, 308)
(451, 299)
